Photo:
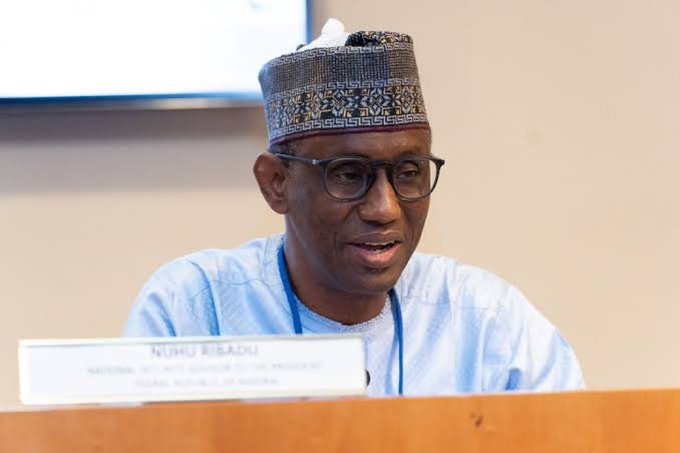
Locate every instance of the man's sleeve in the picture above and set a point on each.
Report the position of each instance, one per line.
(152, 312)
(527, 352)
(176, 301)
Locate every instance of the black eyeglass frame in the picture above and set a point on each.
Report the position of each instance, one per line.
(373, 164)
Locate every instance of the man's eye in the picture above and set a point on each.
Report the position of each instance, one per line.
(347, 176)
(408, 171)
(348, 173)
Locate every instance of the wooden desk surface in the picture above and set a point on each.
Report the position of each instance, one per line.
(645, 421)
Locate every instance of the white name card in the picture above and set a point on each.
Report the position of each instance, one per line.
(185, 368)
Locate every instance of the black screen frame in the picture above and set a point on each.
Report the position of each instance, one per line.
(151, 101)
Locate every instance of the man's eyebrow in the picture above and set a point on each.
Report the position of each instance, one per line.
(368, 154)
(414, 152)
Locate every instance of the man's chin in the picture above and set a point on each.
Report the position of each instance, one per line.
(371, 281)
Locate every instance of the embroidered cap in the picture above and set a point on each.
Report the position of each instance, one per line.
(369, 84)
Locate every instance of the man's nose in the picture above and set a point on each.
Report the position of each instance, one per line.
(380, 204)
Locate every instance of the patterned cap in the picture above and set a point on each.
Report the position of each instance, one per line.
(369, 84)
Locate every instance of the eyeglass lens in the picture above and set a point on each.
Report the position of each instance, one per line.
(411, 178)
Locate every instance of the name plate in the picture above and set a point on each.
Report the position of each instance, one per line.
(185, 368)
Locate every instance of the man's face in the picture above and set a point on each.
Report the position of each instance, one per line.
(362, 246)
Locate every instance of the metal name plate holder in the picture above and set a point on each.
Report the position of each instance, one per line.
(189, 368)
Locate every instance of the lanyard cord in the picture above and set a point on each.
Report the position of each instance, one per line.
(399, 333)
(297, 324)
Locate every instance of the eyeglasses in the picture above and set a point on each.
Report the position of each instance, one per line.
(350, 178)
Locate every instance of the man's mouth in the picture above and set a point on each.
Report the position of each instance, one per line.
(376, 254)
(376, 247)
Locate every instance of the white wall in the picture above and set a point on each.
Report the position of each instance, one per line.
(559, 124)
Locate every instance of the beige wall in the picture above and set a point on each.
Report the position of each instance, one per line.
(559, 123)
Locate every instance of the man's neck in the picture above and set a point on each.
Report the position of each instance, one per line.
(343, 309)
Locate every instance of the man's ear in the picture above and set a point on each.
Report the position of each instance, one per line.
(271, 176)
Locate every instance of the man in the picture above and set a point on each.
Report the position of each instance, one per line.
(350, 168)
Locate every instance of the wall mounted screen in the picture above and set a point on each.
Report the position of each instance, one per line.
(65, 51)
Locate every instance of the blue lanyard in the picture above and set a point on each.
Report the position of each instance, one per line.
(297, 325)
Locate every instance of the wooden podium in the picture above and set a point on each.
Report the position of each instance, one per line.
(633, 421)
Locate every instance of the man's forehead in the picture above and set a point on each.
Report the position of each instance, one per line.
(379, 145)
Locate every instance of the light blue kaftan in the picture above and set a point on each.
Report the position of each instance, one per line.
(465, 330)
